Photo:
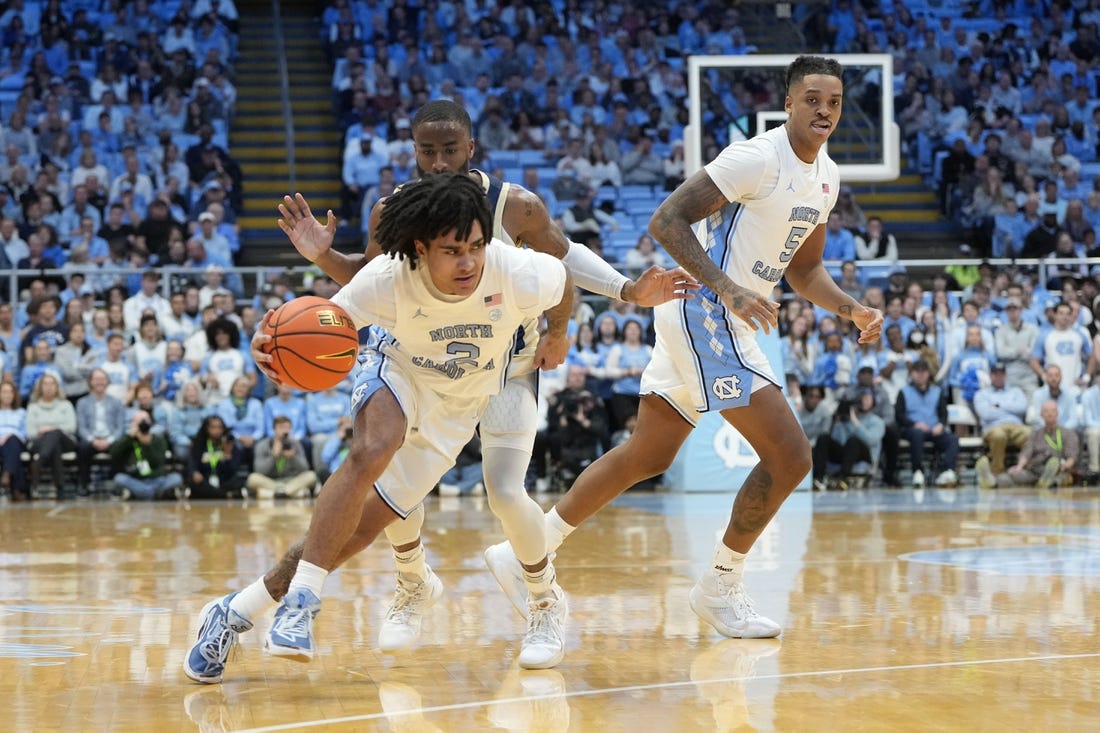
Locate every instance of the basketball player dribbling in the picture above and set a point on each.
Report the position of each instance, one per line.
(424, 382)
(442, 135)
(764, 202)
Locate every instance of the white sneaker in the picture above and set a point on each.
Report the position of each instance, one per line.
(947, 478)
(986, 478)
(918, 479)
(729, 609)
(401, 629)
(506, 568)
(449, 490)
(544, 643)
(1050, 473)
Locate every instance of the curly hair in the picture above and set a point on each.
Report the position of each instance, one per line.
(443, 110)
(804, 66)
(428, 208)
(222, 324)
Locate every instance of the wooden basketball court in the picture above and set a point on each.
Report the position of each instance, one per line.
(903, 611)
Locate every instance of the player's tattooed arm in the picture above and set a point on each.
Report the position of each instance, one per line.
(806, 273)
(693, 201)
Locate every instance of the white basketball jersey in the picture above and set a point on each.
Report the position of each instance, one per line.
(776, 201)
(460, 347)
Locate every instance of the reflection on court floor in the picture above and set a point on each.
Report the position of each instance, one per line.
(902, 610)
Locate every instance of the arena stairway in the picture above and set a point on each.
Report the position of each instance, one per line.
(259, 138)
(908, 207)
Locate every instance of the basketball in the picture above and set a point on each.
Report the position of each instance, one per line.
(313, 345)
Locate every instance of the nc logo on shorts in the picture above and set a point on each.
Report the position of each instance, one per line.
(357, 396)
(726, 388)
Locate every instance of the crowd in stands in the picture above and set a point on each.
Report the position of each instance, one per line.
(113, 137)
(998, 354)
(114, 123)
(113, 154)
(206, 423)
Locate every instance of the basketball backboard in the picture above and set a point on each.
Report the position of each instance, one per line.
(735, 97)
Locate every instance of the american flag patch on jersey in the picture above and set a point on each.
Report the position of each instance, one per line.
(494, 299)
(825, 188)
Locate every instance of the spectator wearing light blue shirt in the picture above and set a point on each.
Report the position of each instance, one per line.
(284, 403)
(1064, 395)
(625, 363)
(1010, 229)
(840, 244)
(969, 369)
(243, 417)
(323, 413)
(1000, 409)
(895, 317)
(33, 371)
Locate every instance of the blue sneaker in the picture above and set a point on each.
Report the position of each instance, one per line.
(218, 632)
(291, 636)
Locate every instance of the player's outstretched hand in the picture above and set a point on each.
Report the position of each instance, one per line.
(551, 351)
(658, 285)
(869, 321)
(753, 309)
(309, 236)
(260, 340)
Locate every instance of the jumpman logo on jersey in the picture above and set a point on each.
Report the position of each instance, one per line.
(420, 314)
(790, 185)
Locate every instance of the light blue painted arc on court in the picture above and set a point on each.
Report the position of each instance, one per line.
(1046, 560)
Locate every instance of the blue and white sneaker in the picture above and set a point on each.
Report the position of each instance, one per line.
(218, 630)
(291, 636)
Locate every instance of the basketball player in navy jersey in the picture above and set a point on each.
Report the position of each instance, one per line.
(764, 203)
(442, 135)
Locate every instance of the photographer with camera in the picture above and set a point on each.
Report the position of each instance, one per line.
(576, 425)
(280, 467)
(140, 461)
(856, 435)
(215, 460)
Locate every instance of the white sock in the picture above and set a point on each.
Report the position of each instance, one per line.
(728, 563)
(539, 582)
(411, 563)
(253, 601)
(308, 576)
(557, 529)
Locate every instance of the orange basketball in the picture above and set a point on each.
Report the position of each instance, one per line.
(314, 343)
